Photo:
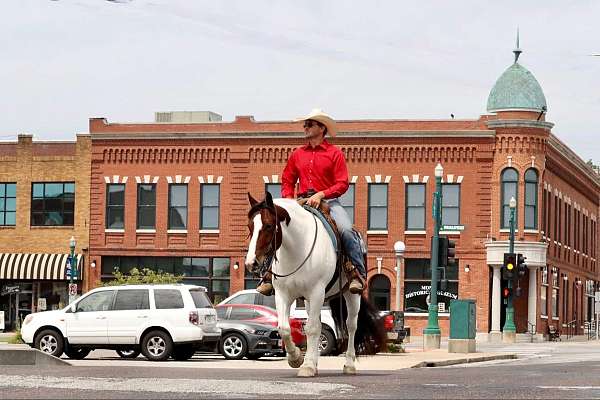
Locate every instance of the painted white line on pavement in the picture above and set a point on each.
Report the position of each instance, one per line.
(441, 384)
(248, 387)
(570, 387)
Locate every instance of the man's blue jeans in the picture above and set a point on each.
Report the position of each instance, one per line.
(350, 240)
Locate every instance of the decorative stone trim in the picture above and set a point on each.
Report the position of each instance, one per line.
(378, 179)
(179, 179)
(271, 179)
(354, 179)
(211, 179)
(415, 178)
(115, 179)
(146, 179)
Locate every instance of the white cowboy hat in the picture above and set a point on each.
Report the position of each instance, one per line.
(317, 115)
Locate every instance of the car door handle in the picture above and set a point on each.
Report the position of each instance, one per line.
(100, 317)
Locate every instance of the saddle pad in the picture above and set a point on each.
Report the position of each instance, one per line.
(326, 224)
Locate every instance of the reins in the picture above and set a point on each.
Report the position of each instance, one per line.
(305, 259)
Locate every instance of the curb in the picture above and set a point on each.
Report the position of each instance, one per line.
(443, 363)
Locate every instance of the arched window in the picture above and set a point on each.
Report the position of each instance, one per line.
(531, 199)
(510, 180)
(379, 292)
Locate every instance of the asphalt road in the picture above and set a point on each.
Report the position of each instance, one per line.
(564, 373)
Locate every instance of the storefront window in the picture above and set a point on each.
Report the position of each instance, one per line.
(417, 285)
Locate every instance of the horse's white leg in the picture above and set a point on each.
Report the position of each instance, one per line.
(313, 333)
(282, 303)
(353, 305)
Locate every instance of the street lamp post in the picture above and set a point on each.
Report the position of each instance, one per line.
(72, 297)
(509, 331)
(399, 248)
(432, 334)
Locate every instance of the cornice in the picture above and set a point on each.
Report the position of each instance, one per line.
(280, 135)
(518, 123)
(570, 156)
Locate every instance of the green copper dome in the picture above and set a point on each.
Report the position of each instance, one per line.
(516, 89)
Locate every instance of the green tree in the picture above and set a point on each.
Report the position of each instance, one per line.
(144, 276)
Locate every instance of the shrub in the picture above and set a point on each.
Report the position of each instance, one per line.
(144, 276)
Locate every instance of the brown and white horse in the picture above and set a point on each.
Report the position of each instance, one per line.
(303, 264)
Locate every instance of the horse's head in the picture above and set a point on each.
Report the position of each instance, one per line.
(264, 224)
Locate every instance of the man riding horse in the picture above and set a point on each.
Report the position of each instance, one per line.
(320, 168)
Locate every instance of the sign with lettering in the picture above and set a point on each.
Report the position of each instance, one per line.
(41, 304)
(453, 227)
(10, 290)
(72, 289)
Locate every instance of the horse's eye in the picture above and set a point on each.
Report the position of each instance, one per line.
(269, 226)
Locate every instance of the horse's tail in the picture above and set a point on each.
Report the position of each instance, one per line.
(370, 337)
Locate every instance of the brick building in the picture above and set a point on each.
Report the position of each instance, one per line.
(172, 195)
(44, 201)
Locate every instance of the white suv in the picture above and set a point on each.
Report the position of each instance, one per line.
(158, 320)
(328, 339)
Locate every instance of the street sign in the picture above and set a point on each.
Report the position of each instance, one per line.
(453, 227)
(41, 304)
(72, 289)
(597, 296)
(10, 290)
(2, 327)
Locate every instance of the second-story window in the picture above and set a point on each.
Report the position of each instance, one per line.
(146, 206)
(531, 199)
(274, 189)
(209, 209)
(8, 204)
(178, 206)
(347, 201)
(450, 204)
(510, 179)
(52, 203)
(378, 206)
(415, 206)
(115, 206)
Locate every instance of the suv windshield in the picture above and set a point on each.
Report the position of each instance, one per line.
(201, 300)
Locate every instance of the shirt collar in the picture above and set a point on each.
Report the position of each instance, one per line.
(324, 145)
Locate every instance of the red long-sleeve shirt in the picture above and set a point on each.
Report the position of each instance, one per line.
(322, 168)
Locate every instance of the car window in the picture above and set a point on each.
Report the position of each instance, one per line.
(201, 300)
(244, 298)
(268, 301)
(242, 313)
(167, 299)
(100, 301)
(132, 299)
(221, 312)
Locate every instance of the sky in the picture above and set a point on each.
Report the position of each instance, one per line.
(65, 61)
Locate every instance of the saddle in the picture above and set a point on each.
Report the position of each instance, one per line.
(343, 261)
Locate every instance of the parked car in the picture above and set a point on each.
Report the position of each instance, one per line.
(158, 320)
(328, 339)
(260, 315)
(247, 339)
(393, 322)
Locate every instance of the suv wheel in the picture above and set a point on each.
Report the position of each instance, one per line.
(128, 353)
(157, 346)
(326, 342)
(50, 342)
(77, 353)
(233, 346)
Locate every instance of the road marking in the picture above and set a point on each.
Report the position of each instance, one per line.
(441, 384)
(162, 385)
(570, 387)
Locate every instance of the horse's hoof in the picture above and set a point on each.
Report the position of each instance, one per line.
(307, 372)
(297, 362)
(349, 370)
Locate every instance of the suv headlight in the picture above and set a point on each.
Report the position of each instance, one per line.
(28, 319)
(255, 331)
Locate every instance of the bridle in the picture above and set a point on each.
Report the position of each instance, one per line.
(271, 252)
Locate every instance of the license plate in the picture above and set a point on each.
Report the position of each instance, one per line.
(279, 343)
(210, 319)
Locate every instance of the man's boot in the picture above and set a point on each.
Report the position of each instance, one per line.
(266, 287)
(357, 285)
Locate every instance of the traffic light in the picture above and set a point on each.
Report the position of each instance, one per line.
(447, 252)
(521, 266)
(509, 265)
(506, 292)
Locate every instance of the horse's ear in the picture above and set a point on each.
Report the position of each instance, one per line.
(269, 199)
(252, 200)
(283, 215)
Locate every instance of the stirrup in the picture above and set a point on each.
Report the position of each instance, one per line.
(266, 289)
(356, 286)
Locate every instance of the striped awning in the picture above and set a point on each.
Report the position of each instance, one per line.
(44, 266)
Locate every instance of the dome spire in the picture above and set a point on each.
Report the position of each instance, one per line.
(517, 50)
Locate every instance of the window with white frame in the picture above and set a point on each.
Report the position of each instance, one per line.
(347, 201)
(544, 292)
(209, 207)
(415, 206)
(378, 206)
(555, 275)
(178, 205)
(510, 181)
(146, 206)
(531, 199)
(115, 206)
(450, 204)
